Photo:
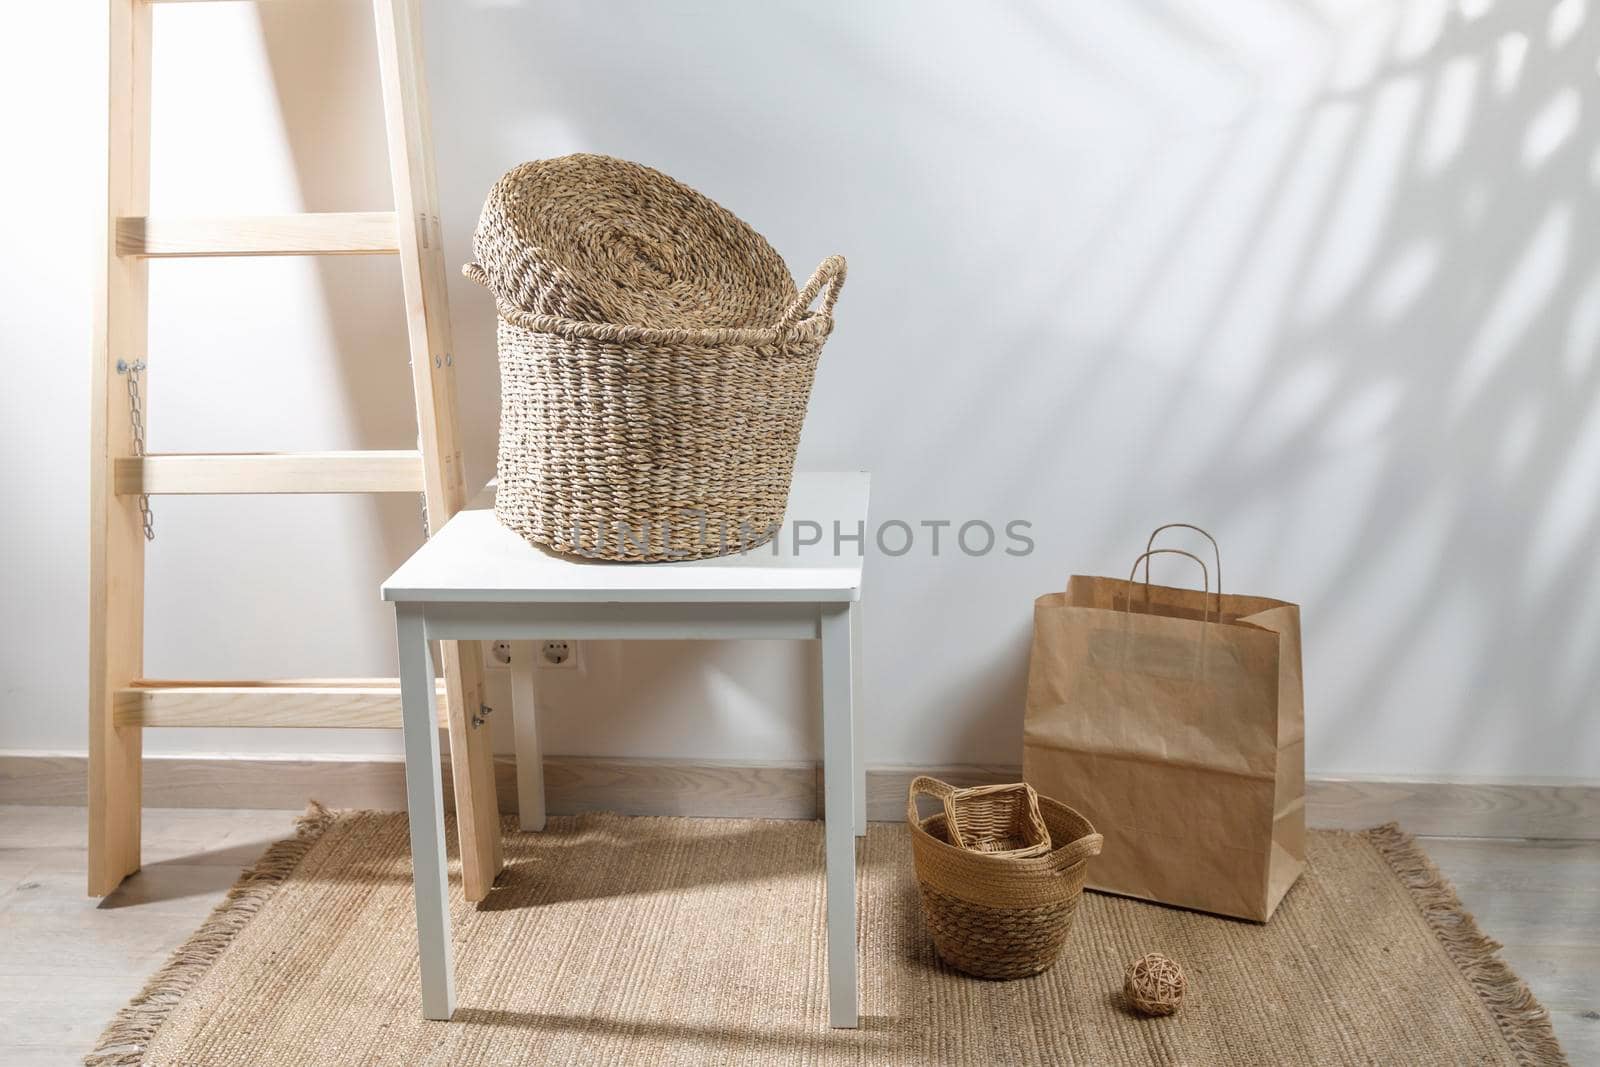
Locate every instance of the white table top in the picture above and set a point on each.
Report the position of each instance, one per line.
(475, 560)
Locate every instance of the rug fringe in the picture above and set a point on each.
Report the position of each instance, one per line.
(129, 1035)
(1523, 1021)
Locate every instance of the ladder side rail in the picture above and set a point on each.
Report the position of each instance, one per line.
(116, 531)
(433, 377)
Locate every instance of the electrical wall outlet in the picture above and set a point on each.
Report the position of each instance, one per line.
(562, 654)
(551, 655)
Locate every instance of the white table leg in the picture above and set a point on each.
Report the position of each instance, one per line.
(839, 787)
(425, 808)
(525, 725)
(857, 720)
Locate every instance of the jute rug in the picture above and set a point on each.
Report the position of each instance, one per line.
(614, 940)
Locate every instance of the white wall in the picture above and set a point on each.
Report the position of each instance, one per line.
(1323, 277)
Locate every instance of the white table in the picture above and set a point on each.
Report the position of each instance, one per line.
(477, 581)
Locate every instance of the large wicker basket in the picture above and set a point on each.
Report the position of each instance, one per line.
(997, 915)
(655, 363)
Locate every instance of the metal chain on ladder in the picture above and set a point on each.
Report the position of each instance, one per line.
(136, 416)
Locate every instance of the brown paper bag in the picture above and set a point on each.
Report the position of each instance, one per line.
(1174, 720)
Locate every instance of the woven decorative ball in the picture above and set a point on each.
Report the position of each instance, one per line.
(1154, 985)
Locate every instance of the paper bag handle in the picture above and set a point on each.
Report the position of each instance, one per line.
(1205, 578)
(1215, 552)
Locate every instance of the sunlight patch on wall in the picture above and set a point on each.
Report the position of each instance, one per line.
(1517, 440)
(1510, 54)
(1363, 417)
(1287, 409)
(1566, 18)
(1421, 25)
(1402, 281)
(1366, 191)
(1583, 331)
(217, 138)
(1364, 47)
(1529, 285)
(1451, 117)
(1282, 226)
(1551, 128)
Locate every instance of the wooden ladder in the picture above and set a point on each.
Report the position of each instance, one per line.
(122, 703)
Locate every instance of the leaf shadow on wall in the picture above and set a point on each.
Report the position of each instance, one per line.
(1357, 340)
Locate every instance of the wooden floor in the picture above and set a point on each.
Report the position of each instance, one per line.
(67, 963)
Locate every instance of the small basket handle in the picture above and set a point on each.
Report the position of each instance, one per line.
(476, 272)
(829, 275)
(510, 312)
(1079, 850)
(924, 786)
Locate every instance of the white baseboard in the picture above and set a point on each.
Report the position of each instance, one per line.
(778, 791)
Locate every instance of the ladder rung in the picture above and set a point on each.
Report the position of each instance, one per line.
(325, 234)
(349, 702)
(271, 472)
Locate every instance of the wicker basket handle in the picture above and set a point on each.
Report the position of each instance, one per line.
(1205, 578)
(829, 275)
(1078, 851)
(924, 786)
(1215, 552)
(508, 311)
(475, 272)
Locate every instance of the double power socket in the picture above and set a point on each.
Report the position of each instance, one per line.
(553, 655)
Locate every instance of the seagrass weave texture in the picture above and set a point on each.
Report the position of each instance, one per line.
(685, 942)
(597, 239)
(999, 915)
(655, 362)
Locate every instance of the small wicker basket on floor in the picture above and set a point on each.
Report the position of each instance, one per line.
(655, 363)
(996, 915)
